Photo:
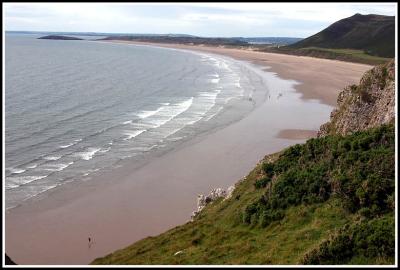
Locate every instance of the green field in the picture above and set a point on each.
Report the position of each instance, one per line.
(348, 55)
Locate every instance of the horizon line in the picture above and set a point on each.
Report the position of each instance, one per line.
(144, 34)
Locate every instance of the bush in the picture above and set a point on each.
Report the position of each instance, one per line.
(375, 238)
(365, 96)
(269, 216)
(358, 168)
(268, 169)
(371, 239)
(262, 183)
(248, 212)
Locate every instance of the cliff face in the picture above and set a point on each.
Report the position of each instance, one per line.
(367, 105)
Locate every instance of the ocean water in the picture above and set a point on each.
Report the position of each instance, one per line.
(75, 108)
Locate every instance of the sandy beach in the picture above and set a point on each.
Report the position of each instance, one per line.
(127, 204)
(320, 79)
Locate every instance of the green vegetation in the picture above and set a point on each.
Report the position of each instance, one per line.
(367, 242)
(262, 183)
(359, 169)
(344, 54)
(350, 55)
(328, 201)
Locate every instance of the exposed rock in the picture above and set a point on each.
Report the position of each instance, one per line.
(9, 261)
(215, 194)
(229, 192)
(367, 105)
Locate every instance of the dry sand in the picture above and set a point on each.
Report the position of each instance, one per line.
(125, 205)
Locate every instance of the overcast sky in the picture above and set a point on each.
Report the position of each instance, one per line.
(202, 19)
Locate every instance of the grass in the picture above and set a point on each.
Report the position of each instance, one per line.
(328, 189)
(217, 237)
(351, 54)
(348, 55)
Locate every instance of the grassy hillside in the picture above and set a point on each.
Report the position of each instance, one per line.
(372, 34)
(328, 201)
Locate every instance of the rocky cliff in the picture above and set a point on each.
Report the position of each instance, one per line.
(367, 105)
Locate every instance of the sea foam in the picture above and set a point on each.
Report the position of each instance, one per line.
(16, 170)
(66, 146)
(167, 113)
(17, 181)
(145, 114)
(132, 134)
(33, 166)
(88, 154)
(52, 157)
(57, 167)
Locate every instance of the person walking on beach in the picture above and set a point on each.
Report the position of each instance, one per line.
(89, 242)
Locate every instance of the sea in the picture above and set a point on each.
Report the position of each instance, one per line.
(74, 109)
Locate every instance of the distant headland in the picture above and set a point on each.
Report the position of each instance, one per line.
(57, 37)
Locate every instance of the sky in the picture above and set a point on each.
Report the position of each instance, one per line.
(200, 19)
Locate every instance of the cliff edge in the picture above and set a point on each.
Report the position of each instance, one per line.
(367, 105)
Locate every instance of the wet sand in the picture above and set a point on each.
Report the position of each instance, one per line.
(127, 204)
(297, 134)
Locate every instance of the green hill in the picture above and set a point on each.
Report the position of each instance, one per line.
(372, 34)
(328, 201)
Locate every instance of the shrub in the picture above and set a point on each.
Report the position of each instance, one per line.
(359, 168)
(248, 212)
(268, 169)
(365, 96)
(371, 239)
(262, 183)
(269, 216)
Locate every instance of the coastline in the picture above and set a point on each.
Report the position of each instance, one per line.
(117, 211)
(321, 79)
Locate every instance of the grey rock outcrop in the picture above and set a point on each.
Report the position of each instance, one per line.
(216, 193)
(367, 105)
